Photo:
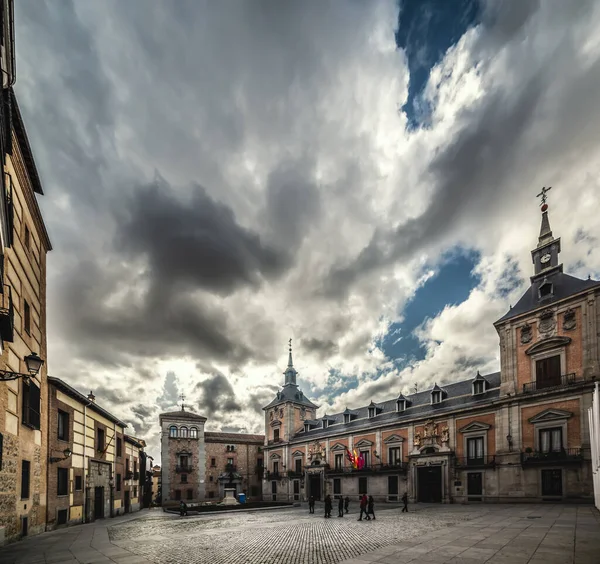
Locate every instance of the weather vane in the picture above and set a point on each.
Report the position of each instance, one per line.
(182, 400)
(543, 193)
(290, 344)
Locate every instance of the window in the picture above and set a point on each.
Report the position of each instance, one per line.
(118, 482)
(276, 434)
(475, 449)
(346, 418)
(366, 455)
(193, 433)
(551, 439)
(362, 485)
(135, 466)
(127, 467)
(31, 405)
(547, 372)
(298, 463)
(230, 461)
(1, 448)
(119, 447)
(337, 486)
(306, 427)
(183, 461)
(259, 462)
(325, 423)
(545, 290)
(178, 495)
(401, 405)
(371, 412)
(25, 469)
(173, 432)
(100, 440)
(436, 397)
(27, 239)
(478, 387)
(61, 516)
(184, 478)
(190, 494)
(213, 462)
(63, 426)
(78, 483)
(211, 479)
(134, 491)
(26, 317)
(394, 455)
(276, 467)
(339, 461)
(183, 432)
(211, 494)
(62, 481)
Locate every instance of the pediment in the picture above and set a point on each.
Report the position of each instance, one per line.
(276, 423)
(364, 443)
(297, 453)
(548, 344)
(475, 426)
(550, 415)
(274, 455)
(394, 439)
(338, 446)
(184, 451)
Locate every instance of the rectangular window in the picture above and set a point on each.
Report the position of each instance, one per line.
(367, 457)
(119, 447)
(135, 466)
(298, 463)
(26, 317)
(475, 449)
(25, 469)
(62, 481)
(127, 467)
(27, 238)
(1, 448)
(118, 482)
(213, 462)
(394, 456)
(63, 425)
(190, 494)
(259, 462)
(362, 485)
(184, 478)
(100, 440)
(61, 516)
(30, 404)
(178, 495)
(78, 483)
(276, 467)
(134, 491)
(337, 486)
(551, 439)
(339, 461)
(230, 461)
(276, 435)
(547, 372)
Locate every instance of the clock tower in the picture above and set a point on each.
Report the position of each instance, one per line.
(545, 255)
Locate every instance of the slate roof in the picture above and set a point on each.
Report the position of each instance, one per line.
(210, 437)
(291, 392)
(187, 415)
(458, 395)
(564, 286)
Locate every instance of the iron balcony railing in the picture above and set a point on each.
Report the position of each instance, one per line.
(273, 476)
(230, 468)
(295, 475)
(273, 441)
(370, 469)
(488, 461)
(563, 456)
(128, 475)
(551, 383)
(185, 469)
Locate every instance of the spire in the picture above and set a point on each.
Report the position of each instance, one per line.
(545, 231)
(290, 373)
(545, 255)
(290, 363)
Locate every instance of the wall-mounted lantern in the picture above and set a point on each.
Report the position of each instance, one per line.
(67, 452)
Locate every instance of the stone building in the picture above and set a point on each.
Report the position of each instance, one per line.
(594, 422)
(24, 243)
(156, 484)
(521, 434)
(93, 469)
(198, 465)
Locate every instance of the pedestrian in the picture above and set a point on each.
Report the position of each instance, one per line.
(328, 505)
(405, 502)
(341, 507)
(346, 503)
(370, 510)
(311, 504)
(363, 508)
(182, 509)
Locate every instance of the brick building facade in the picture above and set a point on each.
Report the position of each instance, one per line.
(518, 434)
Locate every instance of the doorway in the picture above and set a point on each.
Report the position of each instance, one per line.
(296, 490)
(392, 488)
(274, 490)
(98, 502)
(314, 484)
(429, 480)
(127, 501)
(552, 482)
(474, 486)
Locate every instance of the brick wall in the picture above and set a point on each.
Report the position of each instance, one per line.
(573, 438)
(488, 419)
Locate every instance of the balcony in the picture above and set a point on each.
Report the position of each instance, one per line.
(230, 468)
(557, 457)
(7, 325)
(273, 476)
(136, 475)
(480, 462)
(185, 469)
(293, 475)
(274, 441)
(555, 383)
(128, 475)
(397, 467)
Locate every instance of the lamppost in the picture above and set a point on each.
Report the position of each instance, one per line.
(33, 363)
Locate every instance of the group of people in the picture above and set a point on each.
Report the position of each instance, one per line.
(367, 506)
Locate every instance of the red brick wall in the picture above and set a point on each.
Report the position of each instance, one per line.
(573, 438)
(489, 419)
(406, 448)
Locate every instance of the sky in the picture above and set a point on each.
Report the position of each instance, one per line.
(360, 177)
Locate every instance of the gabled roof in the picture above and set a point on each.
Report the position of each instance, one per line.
(211, 437)
(293, 394)
(563, 286)
(184, 415)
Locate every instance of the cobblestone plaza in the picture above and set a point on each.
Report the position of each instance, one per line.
(492, 534)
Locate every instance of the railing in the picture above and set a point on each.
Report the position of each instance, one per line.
(488, 461)
(230, 468)
(6, 314)
(563, 456)
(372, 468)
(273, 476)
(128, 475)
(295, 475)
(551, 383)
(136, 475)
(186, 469)
(273, 441)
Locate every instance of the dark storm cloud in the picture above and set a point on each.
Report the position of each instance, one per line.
(324, 348)
(505, 18)
(217, 396)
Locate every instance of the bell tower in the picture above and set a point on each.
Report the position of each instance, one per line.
(545, 255)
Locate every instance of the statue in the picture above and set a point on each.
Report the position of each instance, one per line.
(417, 440)
(310, 454)
(445, 435)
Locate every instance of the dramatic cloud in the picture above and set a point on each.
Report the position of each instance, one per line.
(220, 177)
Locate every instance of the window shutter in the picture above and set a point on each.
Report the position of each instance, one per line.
(34, 406)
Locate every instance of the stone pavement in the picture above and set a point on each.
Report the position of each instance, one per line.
(469, 534)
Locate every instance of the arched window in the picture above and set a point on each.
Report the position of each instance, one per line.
(183, 432)
(193, 433)
(173, 432)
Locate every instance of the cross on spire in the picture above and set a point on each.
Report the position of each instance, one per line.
(182, 397)
(543, 193)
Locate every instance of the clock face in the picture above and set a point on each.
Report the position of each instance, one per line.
(545, 258)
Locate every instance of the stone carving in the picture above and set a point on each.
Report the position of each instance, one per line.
(272, 414)
(569, 321)
(430, 431)
(547, 322)
(445, 435)
(317, 451)
(417, 439)
(281, 414)
(303, 413)
(526, 334)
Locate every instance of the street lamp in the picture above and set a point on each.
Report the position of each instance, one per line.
(33, 363)
(67, 452)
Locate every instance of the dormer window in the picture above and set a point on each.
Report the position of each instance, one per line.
(325, 423)
(371, 412)
(346, 418)
(306, 427)
(478, 387)
(546, 290)
(436, 397)
(401, 405)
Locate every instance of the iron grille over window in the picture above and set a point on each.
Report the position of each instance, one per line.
(31, 405)
(62, 481)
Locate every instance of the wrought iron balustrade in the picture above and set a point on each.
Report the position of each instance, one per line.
(488, 461)
(185, 469)
(273, 476)
(369, 469)
(563, 456)
(551, 383)
(230, 468)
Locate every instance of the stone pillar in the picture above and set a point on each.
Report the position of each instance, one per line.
(378, 445)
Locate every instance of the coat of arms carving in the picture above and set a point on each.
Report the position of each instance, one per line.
(569, 321)
(316, 451)
(526, 334)
(547, 322)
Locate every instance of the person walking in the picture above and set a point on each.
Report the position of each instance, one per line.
(182, 509)
(346, 503)
(370, 510)
(363, 508)
(328, 506)
(311, 504)
(405, 502)
(341, 507)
